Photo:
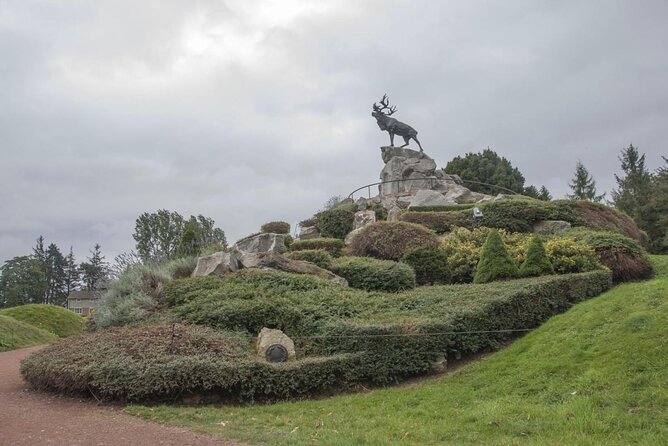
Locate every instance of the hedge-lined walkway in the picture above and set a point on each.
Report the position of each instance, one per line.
(36, 418)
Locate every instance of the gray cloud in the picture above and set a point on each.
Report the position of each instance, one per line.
(249, 111)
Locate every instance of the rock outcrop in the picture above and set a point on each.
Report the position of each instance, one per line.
(277, 262)
(217, 264)
(250, 248)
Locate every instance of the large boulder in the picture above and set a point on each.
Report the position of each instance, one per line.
(430, 198)
(363, 218)
(217, 264)
(308, 232)
(250, 248)
(277, 262)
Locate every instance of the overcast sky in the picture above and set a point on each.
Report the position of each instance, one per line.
(250, 111)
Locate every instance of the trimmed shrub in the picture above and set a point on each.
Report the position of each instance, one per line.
(307, 222)
(536, 262)
(375, 275)
(444, 208)
(520, 215)
(439, 222)
(52, 318)
(568, 256)
(390, 240)
(430, 265)
(331, 245)
(336, 222)
(495, 262)
(276, 227)
(600, 217)
(320, 257)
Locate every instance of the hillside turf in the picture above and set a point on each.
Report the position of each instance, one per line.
(54, 319)
(16, 334)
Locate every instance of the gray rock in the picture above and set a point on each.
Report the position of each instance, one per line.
(251, 247)
(308, 232)
(363, 218)
(277, 262)
(456, 193)
(389, 152)
(269, 337)
(429, 198)
(549, 227)
(362, 203)
(351, 235)
(217, 264)
(394, 213)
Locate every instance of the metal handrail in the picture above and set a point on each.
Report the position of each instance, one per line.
(431, 180)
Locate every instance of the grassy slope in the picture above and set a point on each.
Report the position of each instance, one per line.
(51, 318)
(597, 374)
(16, 334)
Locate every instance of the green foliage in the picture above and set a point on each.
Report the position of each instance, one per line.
(16, 334)
(190, 243)
(430, 265)
(390, 240)
(95, 272)
(370, 274)
(536, 262)
(439, 222)
(486, 167)
(520, 215)
(444, 208)
(583, 185)
(54, 319)
(22, 281)
(307, 222)
(495, 262)
(320, 257)
(381, 212)
(276, 227)
(565, 383)
(635, 187)
(331, 245)
(568, 256)
(655, 212)
(336, 222)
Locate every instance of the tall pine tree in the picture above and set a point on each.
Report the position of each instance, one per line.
(55, 265)
(72, 275)
(634, 186)
(583, 185)
(95, 272)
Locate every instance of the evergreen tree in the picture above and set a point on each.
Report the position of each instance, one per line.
(536, 262)
(22, 281)
(56, 279)
(495, 262)
(583, 185)
(633, 188)
(95, 272)
(544, 194)
(654, 213)
(72, 274)
(486, 167)
(191, 241)
(531, 191)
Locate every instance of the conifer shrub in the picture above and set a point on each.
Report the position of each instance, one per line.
(430, 265)
(439, 222)
(276, 227)
(320, 257)
(390, 240)
(495, 262)
(568, 256)
(331, 245)
(370, 274)
(536, 262)
(336, 222)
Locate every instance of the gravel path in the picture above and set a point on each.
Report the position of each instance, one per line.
(35, 418)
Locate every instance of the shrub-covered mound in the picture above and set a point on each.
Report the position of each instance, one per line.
(276, 227)
(16, 334)
(331, 245)
(153, 362)
(623, 256)
(390, 240)
(397, 334)
(430, 265)
(371, 274)
(319, 257)
(54, 319)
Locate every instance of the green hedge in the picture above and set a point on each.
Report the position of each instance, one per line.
(320, 257)
(336, 222)
(276, 227)
(331, 245)
(370, 274)
(444, 208)
(430, 265)
(439, 222)
(390, 240)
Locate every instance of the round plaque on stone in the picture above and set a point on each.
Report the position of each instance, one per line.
(276, 353)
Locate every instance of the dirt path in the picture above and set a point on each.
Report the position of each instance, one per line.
(35, 418)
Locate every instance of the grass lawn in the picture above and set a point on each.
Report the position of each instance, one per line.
(54, 319)
(597, 374)
(16, 334)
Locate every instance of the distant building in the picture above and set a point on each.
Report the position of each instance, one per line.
(84, 302)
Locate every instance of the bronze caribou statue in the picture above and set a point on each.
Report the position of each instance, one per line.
(391, 125)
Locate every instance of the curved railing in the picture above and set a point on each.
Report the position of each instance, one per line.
(431, 181)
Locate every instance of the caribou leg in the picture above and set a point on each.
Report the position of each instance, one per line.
(406, 140)
(391, 139)
(418, 143)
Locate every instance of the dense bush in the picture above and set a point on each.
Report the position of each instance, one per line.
(444, 208)
(276, 227)
(381, 212)
(520, 215)
(495, 262)
(375, 275)
(52, 318)
(320, 257)
(336, 222)
(308, 222)
(430, 265)
(390, 240)
(331, 245)
(599, 217)
(163, 362)
(536, 262)
(439, 222)
(622, 255)
(568, 256)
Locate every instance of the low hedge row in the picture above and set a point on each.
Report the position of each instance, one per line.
(370, 274)
(331, 245)
(439, 222)
(320, 257)
(157, 363)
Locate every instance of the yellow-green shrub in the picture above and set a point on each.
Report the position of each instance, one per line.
(568, 256)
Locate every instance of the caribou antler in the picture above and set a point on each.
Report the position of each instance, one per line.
(385, 102)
